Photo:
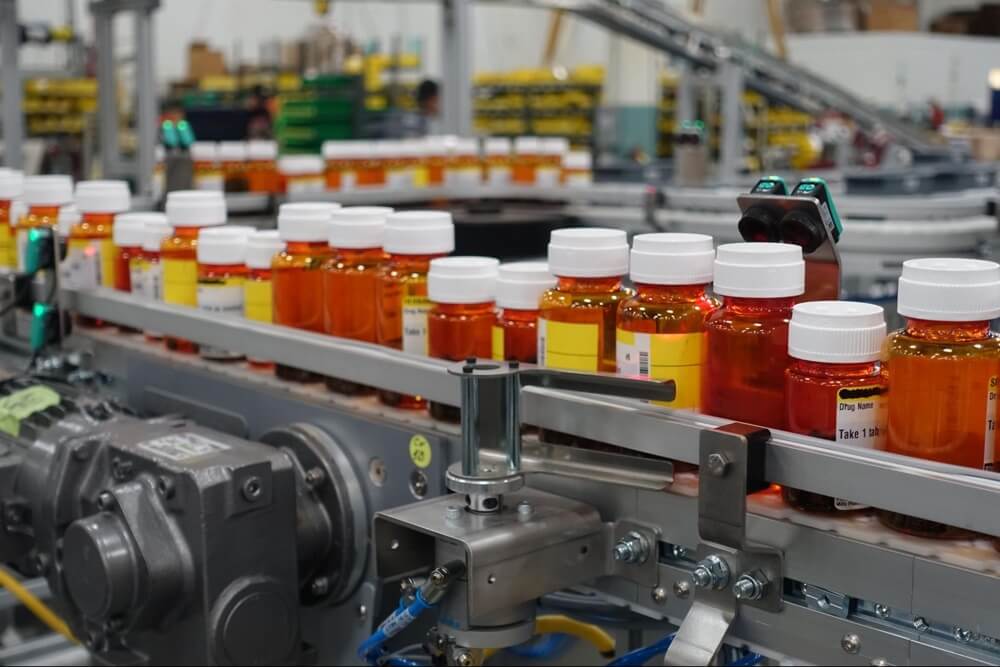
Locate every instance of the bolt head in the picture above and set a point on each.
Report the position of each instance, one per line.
(320, 586)
(252, 489)
(682, 590)
(851, 644)
(749, 588)
(920, 625)
(718, 465)
(525, 509)
(362, 612)
(659, 595)
(679, 552)
(105, 501)
(315, 477)
(702, 577)
(962, 635)
(453, 512)
(882, 611)
(464, 660)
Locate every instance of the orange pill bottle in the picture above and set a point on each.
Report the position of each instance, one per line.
(127, 237)
(743, 376)
(258, 290)
(44, 196)
(412, 240)
(11, 188)
(661, 329)
(147, 271)
(233, 156)
(550, 162)
(462, 291)
(222, 271)
(436, 160)
(464, 167)
(498, 162)
(262, 167)
(338, 159)
(207, 173)
(943, 371)
(836, 387)
(371, 164)
(520, 287)
(527, 157)
(99, 202)
(577, 318)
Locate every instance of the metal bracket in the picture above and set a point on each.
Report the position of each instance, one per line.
(826, 601)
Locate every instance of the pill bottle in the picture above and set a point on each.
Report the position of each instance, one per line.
(412, 240)
(398, 168)
(69, 217)
(127, 236)
(350, 280)
(836, 386)
(222, 271)
(661, 329)
(258, 292)
(11, 188)
(297, 273)
(943, 369)
(464, 168)
(520, 287)
(262, 167)
(159, 174)
(436, 159)
(743, 377)
(462, 291)
(577, 318)
(371, 164)
(578, 169)
(99, 202)
(550, 162)
(188, 212)
(498, 164)
(44, 196)
(336, 161)
(527, 154)
(147, 272)
(233, 156)
(418, 152)
(302, 174)
(207, 174)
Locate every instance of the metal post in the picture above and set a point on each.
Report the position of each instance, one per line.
(145, 108)
(470, 422)
(684, 98)
(107, 91)
(13, 114)
(456, 89)
(512, 424)
(731, 150)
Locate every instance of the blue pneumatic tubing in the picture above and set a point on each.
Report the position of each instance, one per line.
(643, 655)
(398, 621)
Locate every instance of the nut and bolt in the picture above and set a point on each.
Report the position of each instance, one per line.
(962, 635)
(632, 549)
(453, 512)
(659, 595)
(525, 510)
(851, 644)
(882, 611)
(252, 489)
(682, 590)
(319, 587)
(105, 501)
(750, 588)
(315, 477)
(718, 464)
(920, 625)
(438, 577)
(711, 573)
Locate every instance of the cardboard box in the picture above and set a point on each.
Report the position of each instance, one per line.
(204, 61)
(892, 15)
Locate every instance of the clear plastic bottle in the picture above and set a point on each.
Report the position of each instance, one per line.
(577, 318)
(527, 156)
(233, 156)
(498, 163)
(744, 371)
(222, 272)
(147, 272)
(207, 173)
(943, 370)
(258, 290)
(835, 386)
(99, 202)
(262, 167)
(11, 188)
(661, 330)
(412, 240)
(44, 196)
(520, 287)
(188, 212)
(350, 280)
(460, 322)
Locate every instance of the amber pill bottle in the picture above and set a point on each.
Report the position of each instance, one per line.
(520, 286)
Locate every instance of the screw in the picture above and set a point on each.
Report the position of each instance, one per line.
(702, 577)
(851, 644)
(315, 477)
(718, 464)
(920, 625)
(749, 588)
(167, 487)
(319, 587)
(105, 501)
(438, 577)
(962, 635)
(713, 572)
(682, 590)
(679, 552)
(362, 612)
(407, 587)
(631, 549)
(525, 510)
(659, 595)
(14, 516)
(252, 489)
(453, 512)
(418, 484)
(41, 563)
(492, 579)
(464, 660)
(882, 611)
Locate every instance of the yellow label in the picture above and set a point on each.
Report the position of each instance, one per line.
(22, 404)
(676, 357)
(421, 177)
(420, 451)
(180, 282)
(258, 301)
(8, 248)
(570, 347)
(498, 344)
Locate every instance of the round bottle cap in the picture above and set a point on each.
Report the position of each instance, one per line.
(436, 145)
(588, 252)
(555, 146)
(196, 208)
(305, 222)
(204, 151)
(527, 146)
(233, 151)
(497, 146)
(262, 149)
(672, 259)
(154, 233)
(466, 146)
(68, 217)
(949, 290)
(262, 247)
(128, 229)
(578, 161)
(419, 233)
(103, 196)
(836, 332)
(520, 285)
(462, 280)
(759, 270)
(223, 246)
(337, 150)
(11, 184)
(300, 165)
(48, 190)
(358, 227)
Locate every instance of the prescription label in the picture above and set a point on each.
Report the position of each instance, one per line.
(569, 346)
(415, 309)
(180, 282)
(258, 301)
(420, 451)
(136, 267)
(861, 422)
(498, 344)
(676, 357)
(989, 449)
(99, 251)
(221, 295)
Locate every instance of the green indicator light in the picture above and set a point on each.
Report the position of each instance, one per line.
(39, 310)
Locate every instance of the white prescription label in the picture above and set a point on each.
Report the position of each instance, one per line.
(861, 422)
(989, 449)
(415, 309)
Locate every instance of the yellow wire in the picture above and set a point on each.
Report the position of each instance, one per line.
(35, 606)
(563, 625)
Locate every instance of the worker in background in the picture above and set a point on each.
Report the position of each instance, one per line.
(259, 123)
(429, 105)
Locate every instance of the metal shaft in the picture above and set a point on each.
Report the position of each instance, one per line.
(145, 122)
(470, 423)
(13, 115)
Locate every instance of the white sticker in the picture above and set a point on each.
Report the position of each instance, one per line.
(306, 185)
(861, 422)
(989, 450)
(222, 298)
(400, 179)
(499, 176)
(348, 179)
(82, 268)
(212, 181)
(183, 447)
(136, 269)
(415, 309)
(540, 352)
(547, 177)
(151, 282)
(22, 249)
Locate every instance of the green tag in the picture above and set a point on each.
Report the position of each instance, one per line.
(23, 404)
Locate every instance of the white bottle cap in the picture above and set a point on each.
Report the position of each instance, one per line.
(223, 246)
(154, 233)
(527, 146)
(520, 285)
(233, 151)
(588, 252)
(337, 150)
(305, 222)
(419, 233)
(11, 184)
(836, 332)
(69, 216)
(462, 280)
(48, 190)
(672, 259)
(103, 197)
(949, 290)
(358, 227)
(128, 229)
(262, 247)
(436, 145)
(204, 151)
(760, 270)
(196, 208)
(466, 146)
(497, 146)
(578, 161)
(555, 146)
(300, 165)
(262, 149)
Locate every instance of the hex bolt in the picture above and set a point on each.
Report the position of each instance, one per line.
(718, 464)
(679, 552)
(920, 625)
(659, 595)
(882, 611)
(453, 512)
(749, 588)
(711, 573)
(633, 549)
(319, 587)
(105, 501)
(252, 489)
(682, 590)
(525, 509)
(962, 635)
(702, 577)
(851, 644)
(315, 477)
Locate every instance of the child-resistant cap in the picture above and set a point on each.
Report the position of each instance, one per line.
(48, 190)
(589, 252)
(204, 151)
(462, 280)
(223, 246)
(527, 146)
(578, 161)
(300, 165)
(949, 290)
(261, 249)
(419, 233)
(305, 222)
(497, 146)
(520, 285)
(672, 259)
(196, 208)
(11, 184)
(262, 149)
(128, 229)
(103, 197)
(555, 146)
(759, 270)
(836, 332)
(154, 233)
(232, 151)
(69, 216)
(358, 227)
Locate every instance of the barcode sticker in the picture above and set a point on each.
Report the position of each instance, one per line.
(677, 357)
